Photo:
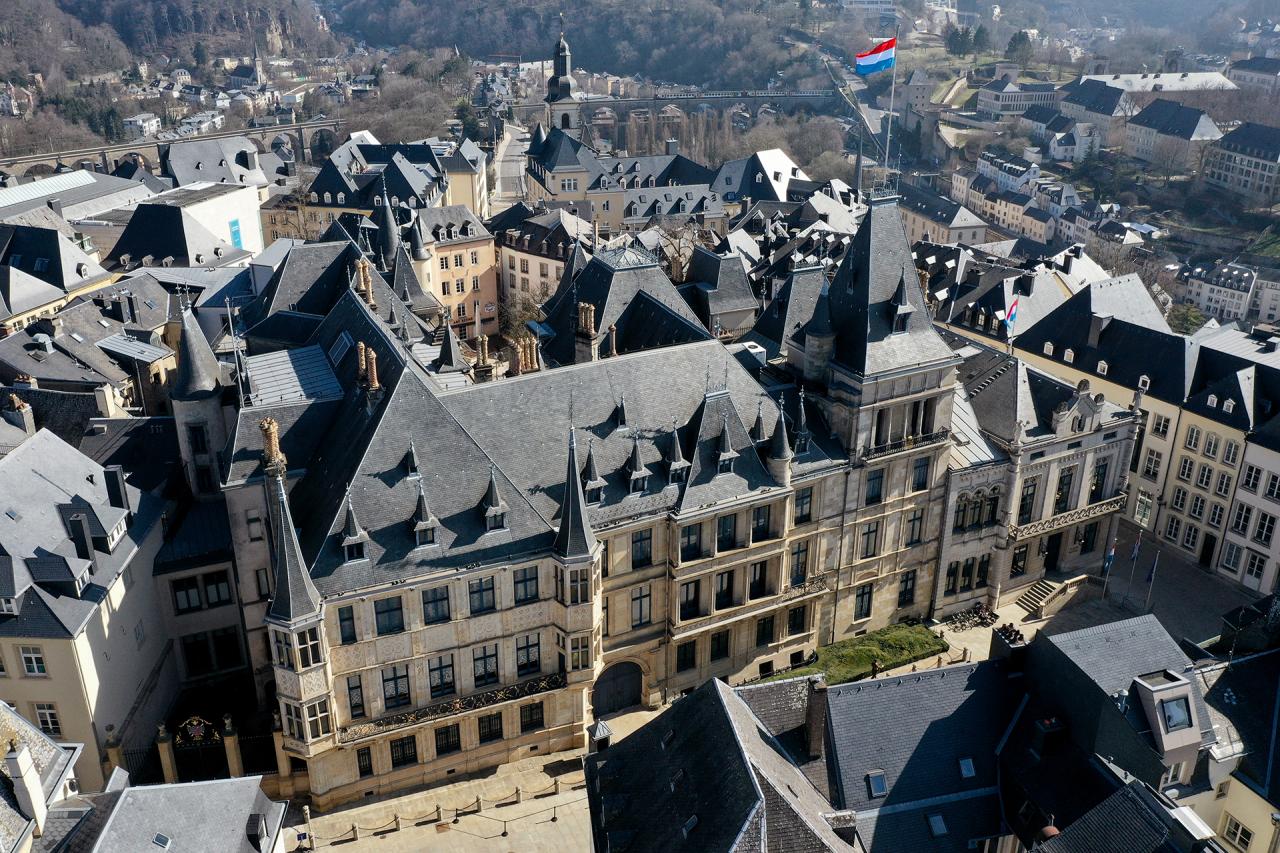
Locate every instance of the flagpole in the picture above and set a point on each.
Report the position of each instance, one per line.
(888, 130)
(1107, 562)
(1133, 567)
(1151, 586)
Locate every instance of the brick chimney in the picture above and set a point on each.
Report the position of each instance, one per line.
(613, 340)
(585, 334)
(815, 715)
(482, 370)
(371, 371)
(361, 362)
(19, 413)
(272, 458)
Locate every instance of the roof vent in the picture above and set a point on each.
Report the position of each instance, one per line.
(162, 841)
(689, 825)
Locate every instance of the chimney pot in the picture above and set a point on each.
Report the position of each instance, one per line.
(371, 360)
(361, 361)
(271, 456)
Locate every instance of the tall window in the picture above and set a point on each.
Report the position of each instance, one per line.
(347, 624)
(579, 652)
(355, 696)
(953, 578)
(691, 542)
(727, 532)
(364, 762)
(32, 660)
(689, 600)
(489, 727)
(686, 656)
(764, 630)
(309, 648)
(319, 721)
(870, 539)
(579, 586)
(1027, 503)
(875, 487)
(915, 528)
(404, 751)
(1062, 498)
(531, 717)
(481, 595)
(966, 574)
(528, 654)
(724, 590)
(920, 475)
(1018, 567)
(395, 686)
(907, 588)
(799, 563)
(293, 721)
(719, 645)
(435, 605)
(804, 506)
(641, 548)
(440, 675)
(1097, 488)
(760, 524)
(984, 570)
(47, 719)
(526, 581)
(484, 665)
(796, 621)
(388, 615)
(759, 586)
(641, 606)
(862, 602)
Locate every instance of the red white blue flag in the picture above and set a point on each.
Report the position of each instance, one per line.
(879, 58)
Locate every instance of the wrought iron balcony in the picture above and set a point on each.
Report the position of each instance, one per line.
(449, 707)
(1068, 518)
(911, 442)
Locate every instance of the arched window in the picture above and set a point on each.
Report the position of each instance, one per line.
(1048, 348)
(328, 199)
(962, 504)
(564, 121)
(1069, 355)
(315, 197)
(1102, 368)
(993, 507)
(342, 198)
(974, 515)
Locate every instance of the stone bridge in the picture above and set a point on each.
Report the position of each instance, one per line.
(818, 101)
(305, 138)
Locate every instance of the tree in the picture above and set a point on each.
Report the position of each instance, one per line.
(1019, 49)
(981, 39)
(200, 54)
(1185, 319)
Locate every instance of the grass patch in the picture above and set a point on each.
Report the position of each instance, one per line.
(1268, 245)
(849, 660)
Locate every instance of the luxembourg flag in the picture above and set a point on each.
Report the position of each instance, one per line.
(1013, 313)
(879, 58)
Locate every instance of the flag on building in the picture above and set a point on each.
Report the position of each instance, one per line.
(1137, 543)
(1111, 558)
(1013, 313)
(879, 58)
(1151, 575)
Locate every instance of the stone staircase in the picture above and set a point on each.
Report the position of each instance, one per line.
(1031, 600)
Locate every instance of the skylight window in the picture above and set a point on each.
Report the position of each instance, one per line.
(966, 768)
(937, 826)
(1176, 714)
(878, 784)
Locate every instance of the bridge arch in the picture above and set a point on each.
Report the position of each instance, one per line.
(323, 143)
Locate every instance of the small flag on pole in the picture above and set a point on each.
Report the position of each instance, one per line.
(1111, 558)
(1151, 575)
(879, 58)
(1013, 313)
(1137, 543)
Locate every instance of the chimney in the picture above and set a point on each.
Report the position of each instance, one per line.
(256, 827)
(673, 147)
(1067, 260)
(20, 414)
(1027, 283)
(25, 380)
(613, 340)
(360, 362)
(815, 715)
(55, 204)
(132, 301)
(117, 491)
(272, 459)
(584, 336)
(482, 370)
(83, 539)
(27, 789)
(1097, 322)
(371, 364)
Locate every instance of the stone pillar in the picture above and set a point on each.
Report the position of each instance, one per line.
(168, 763)
(231, 742)
(115, 753)
(284, 768)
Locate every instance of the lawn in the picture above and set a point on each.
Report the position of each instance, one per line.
(849, 660)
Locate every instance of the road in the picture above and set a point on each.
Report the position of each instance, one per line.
(509, 184)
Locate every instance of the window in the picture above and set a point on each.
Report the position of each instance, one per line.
(293, 720)
(641, 606)
(691, 542)
(526, 585)
(937, 825)
(875, 487)
(1241, 518)
(580, 653)
(484, 665)
(641, 548)
(1190, 537)
(724, 590)
(984, 569)
(1098, 488)
(319, 722)
(914, 529)
(1172, 527)
(1273, 487)
(262, 578)
(870, 539)
(281, 649)
(760, 524)
(1215, 515)
(764, 630)
(796, 621)
(1198, 504)
(720, 645)
(1235, 833)
(404, 751)
(1255, 564)
(364, 762)
(920, 475)
(1223, 487)
(579, 586)
(530, 717)
(1018, 566)
(799, 563)
(1179, 498)
(862, 602)
(1252, 474)
(804, 506)
(481, 596)
(1231, 557)
(440, 676)
(727, 533)
(1204, 476)
(32, 660)
(907, 588)
(355, 696)
(198, 438)
(309, 654)
(1185, 468)
(347, 625)
(47, 719)
(1230, 453)
(1211, 443)
(435, 605)
(686, 656)
(689, 600)
(388, 616)
(395, 686)
(186, 595)
(953, 578)
(1151, 465)
(1160, 426)
(1266, 526)
(876, 782)
(1192, 441)
(1027, 503)
(966, 768)
(490, 727)
(1062, 498)
(758, 587)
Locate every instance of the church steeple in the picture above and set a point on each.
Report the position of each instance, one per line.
(575, 538)
(296, 597)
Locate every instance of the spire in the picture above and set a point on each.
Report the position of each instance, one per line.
(199, 375)
(779, 445)
(635, 467)
(416, 244)
(411, 460)
(575, 538)
(493, 504)
(388, 229)
(352, 532)
(757, 429)
(802, 426)
(857, 172)
(450, 359)
(295, 595)
(725, 452)
(621, 411)
(676, 463)
(422, 517)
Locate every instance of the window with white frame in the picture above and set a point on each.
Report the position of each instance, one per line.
(1235, 833)
(32, 660)
(47, 719)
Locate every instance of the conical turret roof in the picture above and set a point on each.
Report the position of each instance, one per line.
(574, 539)
(198, 375)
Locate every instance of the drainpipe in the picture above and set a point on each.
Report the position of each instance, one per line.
(844, 512)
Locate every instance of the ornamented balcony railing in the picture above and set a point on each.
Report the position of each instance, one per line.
(911, 442)
(449, 707)
(817, 583)
(1068, 518)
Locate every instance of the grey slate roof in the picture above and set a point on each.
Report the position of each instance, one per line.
(790, 310)
(574, 537)
(51, 762)
(295, 595)
(162, 231)
(1169, 118)
(1125, 822)
(198, 376)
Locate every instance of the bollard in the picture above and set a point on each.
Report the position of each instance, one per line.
(554, 817)
(479, 806)
(519, 796)
(399, 823)
(439, 814)
(311, 835)
(355, 832)
(557, 786)
(504, 829)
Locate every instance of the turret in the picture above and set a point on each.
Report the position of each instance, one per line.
(780, 455)
(575, 540)
(819, 338)
(196, 397)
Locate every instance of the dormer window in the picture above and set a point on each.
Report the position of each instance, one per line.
(342, 198)
(1102, 368)
(353, 552)
(638, 485)
(1228, 406)
(496, 521)
(1175, 714)
(677, 476)
(594, 494)
(1069, 356)
(1144, 382)
(424, 537)
(725, 466)
(899, 323)
(1213, 401)
(8, 606)
(1048, 348)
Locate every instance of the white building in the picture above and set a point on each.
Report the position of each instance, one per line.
(143, 124)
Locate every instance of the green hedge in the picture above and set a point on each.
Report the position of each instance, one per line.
(849, 660)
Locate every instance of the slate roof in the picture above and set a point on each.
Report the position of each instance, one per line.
(1125, 822)
(199, 375)
(1169, 118)
(1258, 65)
(20, 292)
(162, 231)
(225, 160)
(52, 763)
(762, 176)
(708, 758)
(936, 208)
(1255, 140)
(1242, 699)
(790, 310)
(46, 254)
(1097, 97)
(717, 284)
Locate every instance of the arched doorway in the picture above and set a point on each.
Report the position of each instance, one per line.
(618, 687)
(564, 121)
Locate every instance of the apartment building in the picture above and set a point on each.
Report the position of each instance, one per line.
(929, 216)
(1246, 163)
(1006, 97)
(534, 245)
(1169, 136)
(1260, 73)
(1224, 290)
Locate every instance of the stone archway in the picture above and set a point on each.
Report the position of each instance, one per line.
(620, 686)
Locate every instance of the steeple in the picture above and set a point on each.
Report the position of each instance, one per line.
(620, 413)
(388, 229)
(635, 467)
(495, 508)
(780, 454)
(198, 376)
(352, 532)
(677, 465)
(757, 429)
(423, 519)
(295, 597)
(802, 426)
(575, 539)
(450, 359)
(416, 244)
(560, 86)
(725, 454)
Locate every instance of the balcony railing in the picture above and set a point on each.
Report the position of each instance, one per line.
(818, 583)
(911, 442)
(449, 707)
(1068, 518)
